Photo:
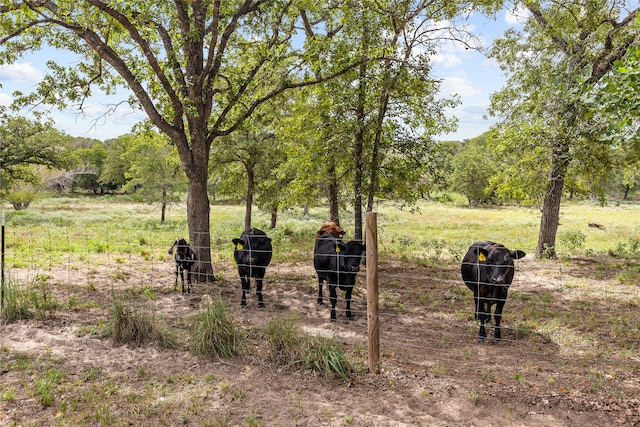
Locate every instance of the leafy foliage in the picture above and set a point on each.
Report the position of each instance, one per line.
(154, 170)
(473, 168)
(25, 144)
(564, 51)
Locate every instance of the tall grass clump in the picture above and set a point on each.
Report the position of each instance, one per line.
(215, 332)
(28, 301)
(15, 304)
(289, 347)
(285, 342)
(132, 325)
(325, 356)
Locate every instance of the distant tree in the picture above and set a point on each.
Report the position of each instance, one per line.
(197, 68)
(23, 145)
(473, 168)
(245, 161)
(89, 162)
(438, 167)
(273, 189)
(116, 165)
(154, 171)
(565, 49)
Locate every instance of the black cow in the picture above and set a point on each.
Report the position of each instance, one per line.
(252, 252)
(185, 258)
(487, 269)
(337, 263)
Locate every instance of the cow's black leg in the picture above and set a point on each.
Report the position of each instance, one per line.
(182, 278)
(259, 291)
(348, 293)
(483, 319)
(246, 287)
(333, 297)
(320, 292)
(175, 286)
(482, 335)
(189, 280)
(476, 300)
(497, 332)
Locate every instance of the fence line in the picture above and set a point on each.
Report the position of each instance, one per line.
(416, 311)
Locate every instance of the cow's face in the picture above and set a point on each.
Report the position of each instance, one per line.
(249, 248)
(183, 251)
(353, 252)
(499, 263)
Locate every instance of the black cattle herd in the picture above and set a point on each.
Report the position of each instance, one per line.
(487, 269)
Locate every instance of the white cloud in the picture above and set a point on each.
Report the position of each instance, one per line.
(490, 63)
(5, 99)
(24, 72)
(473, 121)
(516, 16)
(458, 85)
(447, 60)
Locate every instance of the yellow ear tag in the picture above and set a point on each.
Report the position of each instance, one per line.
(337, 248)
(239, 246)
(481, 257)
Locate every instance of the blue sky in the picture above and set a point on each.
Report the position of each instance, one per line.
(467, 73)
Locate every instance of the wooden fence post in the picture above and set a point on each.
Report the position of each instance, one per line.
(371, 240)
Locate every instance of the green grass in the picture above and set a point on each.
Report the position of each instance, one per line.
(453, 227)
(134, 325)
(594, 311)
(325, 356)
(284, 337)
(215, 333)
(23, 301)
(56, 230)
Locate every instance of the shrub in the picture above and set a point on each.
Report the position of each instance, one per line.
(20, 199)
(285, 342)
(215, 333)
(28, 302)
(131, 325)
(16, 304)
(325, 356)
(574, 240)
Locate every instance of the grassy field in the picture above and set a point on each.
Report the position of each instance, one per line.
(60, 225)
(571, 353)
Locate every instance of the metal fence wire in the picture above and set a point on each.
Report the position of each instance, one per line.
(555, 314)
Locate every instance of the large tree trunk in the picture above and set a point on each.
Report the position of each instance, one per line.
(334, 209)
(195, 163)
(249, 204)
(274, 217)
(357, 151)
(550, 219)
(198, 211)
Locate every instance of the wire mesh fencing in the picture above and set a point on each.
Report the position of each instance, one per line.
(576, 313)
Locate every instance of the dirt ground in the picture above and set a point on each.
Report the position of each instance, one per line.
(433, 370)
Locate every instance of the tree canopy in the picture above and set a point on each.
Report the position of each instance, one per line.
(197, 68)
(566, 48)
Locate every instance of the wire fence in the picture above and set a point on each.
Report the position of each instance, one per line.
(582, 312)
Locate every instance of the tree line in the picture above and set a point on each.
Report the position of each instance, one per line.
(300, 100)
(271, 170)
